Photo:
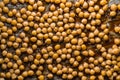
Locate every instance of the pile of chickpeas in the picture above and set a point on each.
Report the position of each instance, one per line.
(70, 39)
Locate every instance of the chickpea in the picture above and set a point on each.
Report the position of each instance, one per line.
(103, 2)
(5, 9)
(112, 13)
(54, 70)
(85, 5)
(83, 78)
(70, 76)
(4, 66)
(52, 7)
(2, 4)
(41, 8)
(109, 73)
(80, 74)
(20, 78)
(118, 6)
(113, 7)
(8, 75)
(64, 76)
(57, 1)
(50, 76)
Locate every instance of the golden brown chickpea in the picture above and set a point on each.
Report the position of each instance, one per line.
(33, 66)
(4, 66)
(70, 76)
(29, 51)
(80, 74)
(95, 62)
(41, 77)
(54, 70)
(64, 76)
(91, 3)
(33, 39)
(38, 72)
(112, 13)
(21, 1)
(116, 51)
(118, 6)
(25, 74)
(30, 58)
(52, 7)
(109, 73)
(76, 53)
(14, 1)
(64, 69)
(116, 41)
(59, 72)
(68, 4)
(9, 55)
(113, 7)
(103, 2)
(75, 64)
(74, 41)
(20, 78)
(116, 29)
(2, 4)
(36, 62)
(41, 8)
(83, 78)
(42, 61)
(5, 9)
(85, 5)
(9, 64)
(118, 77)
(30, 72)
(50, 76)
(105, 7)
(31, 2)
(8, 75)
(55, 38)
(92, 77)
